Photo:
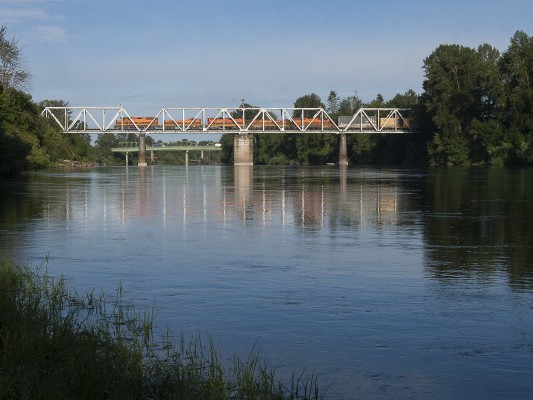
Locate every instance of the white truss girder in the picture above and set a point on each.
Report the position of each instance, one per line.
(224, 119)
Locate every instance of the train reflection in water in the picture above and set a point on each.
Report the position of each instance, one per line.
(266, 195)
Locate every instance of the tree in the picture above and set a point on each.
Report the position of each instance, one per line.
(61, 146)
(103, 145)
(409, 99)
(311, 148)
(350, 105)
(21, 133)
(226, 141)
(249, 115)
(308, 101)
(516, 67)
(333, 103)
(12, 72)
(377, 102)
(461, 86)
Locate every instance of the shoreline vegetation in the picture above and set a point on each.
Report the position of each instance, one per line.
(58, 344)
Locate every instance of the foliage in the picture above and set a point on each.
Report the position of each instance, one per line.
(57, 344)
(226, 142)
(21, 133)
(59, 146)
(409, 99)
(13, 75)
(249, 115)
(516, 66)
(333, 103)
(307, 101)
(350, 105)
(477, 103)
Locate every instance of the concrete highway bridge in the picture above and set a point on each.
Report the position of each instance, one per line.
(128, 148)
(243, 123)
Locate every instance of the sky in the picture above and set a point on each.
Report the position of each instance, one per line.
(146, 55)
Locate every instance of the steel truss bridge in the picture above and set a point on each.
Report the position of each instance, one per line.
(235, 120)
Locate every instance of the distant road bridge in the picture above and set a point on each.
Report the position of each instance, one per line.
(134, 147)
(242, 122)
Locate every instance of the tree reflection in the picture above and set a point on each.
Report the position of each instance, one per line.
(479, 223)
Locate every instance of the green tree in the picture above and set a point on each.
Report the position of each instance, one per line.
(311, 147)
(409, 99)
(350, 105)
(271, 148)
(59, 145)
(226, 141)
(103, 145)
(12, 72)
(21, 132)
(249, 115)
(377, 102)
(516, 67)
(461, 86)
(308, 101)
(333, 103)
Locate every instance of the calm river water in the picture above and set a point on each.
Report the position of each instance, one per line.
(389, 283)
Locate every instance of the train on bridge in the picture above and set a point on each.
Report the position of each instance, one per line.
(225, 123)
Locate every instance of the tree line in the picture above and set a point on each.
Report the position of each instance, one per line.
(475, 109)
(322, 148)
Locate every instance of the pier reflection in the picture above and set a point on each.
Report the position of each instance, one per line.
(243, 176)
(301, 196)
(314, 198)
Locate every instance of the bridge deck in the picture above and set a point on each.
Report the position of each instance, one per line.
(222, 131)
(131, 149)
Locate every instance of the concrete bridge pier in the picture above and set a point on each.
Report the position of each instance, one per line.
(243, 149)
(343, 152)
(142, 150)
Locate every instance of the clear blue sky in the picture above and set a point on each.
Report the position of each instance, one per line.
(147, 55)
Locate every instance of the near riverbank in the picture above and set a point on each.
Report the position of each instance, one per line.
(56, 343)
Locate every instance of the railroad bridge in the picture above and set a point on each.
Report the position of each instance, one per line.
(243, 123)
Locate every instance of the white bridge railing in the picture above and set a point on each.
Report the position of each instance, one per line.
(220, 120)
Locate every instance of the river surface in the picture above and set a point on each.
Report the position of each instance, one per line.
(389, 283)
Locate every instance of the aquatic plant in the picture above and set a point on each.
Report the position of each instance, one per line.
(58, 344)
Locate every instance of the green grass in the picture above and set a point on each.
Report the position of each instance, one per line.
(58, 344)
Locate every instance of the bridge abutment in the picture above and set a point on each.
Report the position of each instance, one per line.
(142, 150)
(343, 150)
(243, 149)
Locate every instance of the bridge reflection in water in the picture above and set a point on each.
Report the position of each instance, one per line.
(305, 197)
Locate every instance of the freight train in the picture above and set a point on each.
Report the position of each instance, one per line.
(258, 124)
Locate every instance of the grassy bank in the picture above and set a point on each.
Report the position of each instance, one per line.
(58, 344)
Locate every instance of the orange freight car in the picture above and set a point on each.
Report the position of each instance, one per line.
(188, 123)
(139, 122)
(224, 123)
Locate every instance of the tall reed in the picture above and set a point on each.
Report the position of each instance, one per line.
(58, 344)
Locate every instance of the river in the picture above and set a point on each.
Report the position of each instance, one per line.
(389, 283)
